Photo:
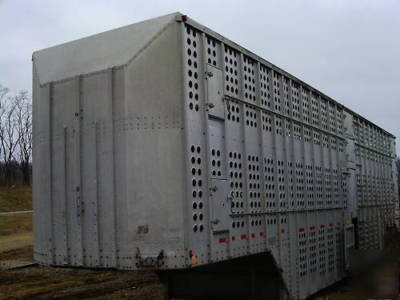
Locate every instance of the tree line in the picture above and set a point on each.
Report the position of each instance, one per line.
(15, 137)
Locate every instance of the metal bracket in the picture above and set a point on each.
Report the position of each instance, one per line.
(210, 105)
(215, 222)
(149, 261)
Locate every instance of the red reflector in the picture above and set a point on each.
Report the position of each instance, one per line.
(233, 238)
(243, 236)
(301, 229)
(184, 18)
(312, 228)
(322, 226)
(261, 233)
(253, 235)
(222, 240)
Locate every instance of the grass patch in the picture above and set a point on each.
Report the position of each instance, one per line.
(13, 224)
(15, 198)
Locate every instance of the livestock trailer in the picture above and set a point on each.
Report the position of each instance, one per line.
(165, 145)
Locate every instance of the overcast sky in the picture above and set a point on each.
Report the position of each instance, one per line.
(348, 49)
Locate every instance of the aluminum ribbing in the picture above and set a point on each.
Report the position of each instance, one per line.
(167, 145)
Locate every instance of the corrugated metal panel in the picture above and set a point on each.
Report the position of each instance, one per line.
(198, 151)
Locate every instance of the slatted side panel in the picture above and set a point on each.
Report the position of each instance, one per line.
(286, 168)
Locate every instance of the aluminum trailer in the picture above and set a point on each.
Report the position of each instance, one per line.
(163, 144)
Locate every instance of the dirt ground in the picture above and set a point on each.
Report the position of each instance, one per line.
(66, 283)
(39, 282)
(377, 282)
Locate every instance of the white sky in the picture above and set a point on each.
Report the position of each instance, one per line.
(349, 50)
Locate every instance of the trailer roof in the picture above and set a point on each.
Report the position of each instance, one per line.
(97, 52)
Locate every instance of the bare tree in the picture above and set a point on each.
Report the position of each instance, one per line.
(15, 136)
(4, 95)
(23, 114)
(8, 135)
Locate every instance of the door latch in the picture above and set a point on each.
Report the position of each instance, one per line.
(210, 105)
(213, 189)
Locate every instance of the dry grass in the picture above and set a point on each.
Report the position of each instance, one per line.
(15, 224)
(16, 241)
(66, 283)
(15, 198)
(15, 230)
